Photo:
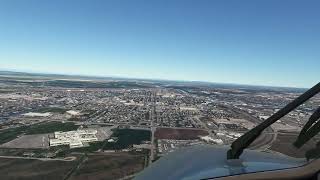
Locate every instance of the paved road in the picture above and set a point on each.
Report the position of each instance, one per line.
(152, 128)
(41, 159)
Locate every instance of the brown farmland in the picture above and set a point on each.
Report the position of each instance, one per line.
(179, 134)
(111, 166)
(25, 169)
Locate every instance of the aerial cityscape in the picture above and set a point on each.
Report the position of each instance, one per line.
(75, 127)
(159, 90)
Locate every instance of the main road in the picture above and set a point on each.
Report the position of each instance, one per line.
(152, 127)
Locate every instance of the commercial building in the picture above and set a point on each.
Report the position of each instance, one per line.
(74, 138)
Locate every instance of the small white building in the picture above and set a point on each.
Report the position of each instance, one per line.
(210, 139)
(73, 113)
(35, 114)
(74, 138)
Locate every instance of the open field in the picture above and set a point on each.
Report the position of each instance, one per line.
(112, 166)
(29, 141)
(19, 152)
(66, 151)
(22, 169)
(50, 127)
(10, 134)
(52, 109)
(179, 134)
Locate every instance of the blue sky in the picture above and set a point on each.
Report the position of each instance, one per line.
(267, 42)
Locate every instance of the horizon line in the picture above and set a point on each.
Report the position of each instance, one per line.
(150, 79)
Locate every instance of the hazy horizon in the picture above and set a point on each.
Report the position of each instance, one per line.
(146, 79)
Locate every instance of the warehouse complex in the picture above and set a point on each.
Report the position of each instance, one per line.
(74, 138)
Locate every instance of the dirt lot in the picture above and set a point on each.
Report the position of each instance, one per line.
(113, 166)
(22, 169)
(180, 134)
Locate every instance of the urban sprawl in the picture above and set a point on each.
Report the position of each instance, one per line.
(67, 119)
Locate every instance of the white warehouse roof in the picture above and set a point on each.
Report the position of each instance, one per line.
(74, 138)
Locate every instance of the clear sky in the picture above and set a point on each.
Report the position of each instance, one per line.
(259, 42)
